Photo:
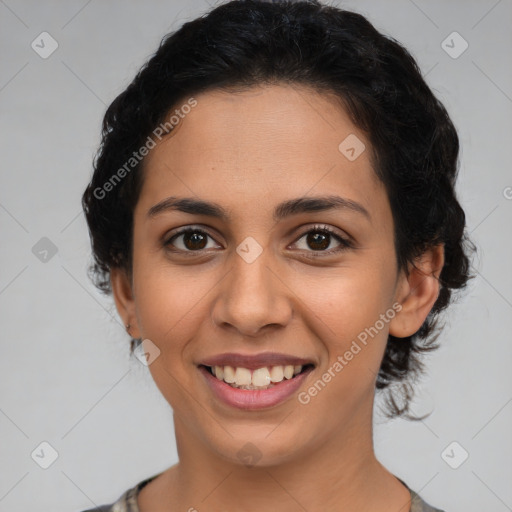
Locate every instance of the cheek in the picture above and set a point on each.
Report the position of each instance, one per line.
(171, 304)
(168, 303)
(169, 309)
(354, 338)
(353, 308)
(349, 300)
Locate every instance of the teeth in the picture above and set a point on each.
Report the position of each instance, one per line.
(242, 377)
(288, 371)
(219, 372)
(229, 374)
(262, 378)
(276, 373)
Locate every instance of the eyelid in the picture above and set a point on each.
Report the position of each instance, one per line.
(166, 240)
(345, 241)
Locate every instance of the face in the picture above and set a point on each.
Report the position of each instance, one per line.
(265, 278)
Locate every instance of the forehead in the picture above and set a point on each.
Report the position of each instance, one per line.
(274, 141)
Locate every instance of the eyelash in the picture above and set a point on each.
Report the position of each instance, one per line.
(344, 243)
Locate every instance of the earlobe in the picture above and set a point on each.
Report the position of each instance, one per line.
(124, 300)
(417, 292)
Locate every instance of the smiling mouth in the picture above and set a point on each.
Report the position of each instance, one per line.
(260, 378)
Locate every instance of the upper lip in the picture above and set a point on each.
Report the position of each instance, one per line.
(253, 362)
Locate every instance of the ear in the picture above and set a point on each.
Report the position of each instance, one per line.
(417, 292)
(123, 297)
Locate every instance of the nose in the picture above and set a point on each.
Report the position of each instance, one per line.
(252, 298)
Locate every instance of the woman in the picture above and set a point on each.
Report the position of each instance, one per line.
(273, 210)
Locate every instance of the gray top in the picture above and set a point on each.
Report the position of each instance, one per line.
(127, 502)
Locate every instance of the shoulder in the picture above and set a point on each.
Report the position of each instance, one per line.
(124, 504)
(102, 508)
(127, 502)
(418, 504)
(120, 505)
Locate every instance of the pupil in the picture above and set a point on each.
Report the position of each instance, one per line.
(190, 239)
(318, 238)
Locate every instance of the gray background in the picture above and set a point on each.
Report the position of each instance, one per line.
(65, 372)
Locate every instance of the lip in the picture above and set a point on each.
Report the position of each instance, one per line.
(250, 400)
(255, 361)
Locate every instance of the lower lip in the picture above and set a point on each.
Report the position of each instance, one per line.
(254, 399)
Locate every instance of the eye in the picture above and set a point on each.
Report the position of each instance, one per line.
(319, 238)
(193, 240)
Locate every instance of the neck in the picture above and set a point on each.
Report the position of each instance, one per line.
(340, 473)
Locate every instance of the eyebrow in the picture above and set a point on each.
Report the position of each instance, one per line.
(283, 210)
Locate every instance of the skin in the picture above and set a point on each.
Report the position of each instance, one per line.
(249, 151)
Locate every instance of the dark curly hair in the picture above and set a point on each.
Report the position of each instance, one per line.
(240, 44)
